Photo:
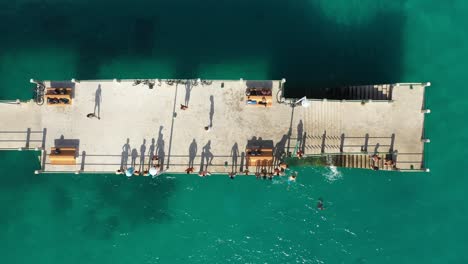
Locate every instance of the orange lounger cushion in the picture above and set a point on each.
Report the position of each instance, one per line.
(65, 157)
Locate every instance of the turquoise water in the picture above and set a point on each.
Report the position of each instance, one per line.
(369, 218)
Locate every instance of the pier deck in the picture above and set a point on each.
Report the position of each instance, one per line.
(137, 122)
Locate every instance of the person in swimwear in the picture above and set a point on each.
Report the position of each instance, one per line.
(320, 204)
(299, 154)
(189, 170)
(376, 158)
(270, 176)
(277, 172)
(292, 178)
(283, 166)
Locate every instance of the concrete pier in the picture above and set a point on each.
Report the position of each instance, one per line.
(136, 123)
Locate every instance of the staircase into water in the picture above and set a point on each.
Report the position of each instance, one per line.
(360, 161)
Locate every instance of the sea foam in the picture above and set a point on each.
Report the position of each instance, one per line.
(332, 174)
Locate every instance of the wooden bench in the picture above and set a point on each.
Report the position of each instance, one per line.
(66, 156)
(259, 161)
(50, 93)
(264, 159)
(259, 98)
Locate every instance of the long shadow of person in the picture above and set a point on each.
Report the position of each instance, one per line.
(151, 152)
(125, 154)
(211, 110)
(208, 155)
(192, 153)
(188, 90)
(134, 157)
(160, 147)
(278, 151)
(300, 131)
(97, 101)
(234, 155)
(376, 149)
(142, 155)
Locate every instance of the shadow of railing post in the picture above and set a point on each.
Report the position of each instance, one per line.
(172, 130)
(366, 142)
(83, 158)
(303, 143)
(342, 142)
(44, 135)
(28, 137)
(324, 136)
(392, 142)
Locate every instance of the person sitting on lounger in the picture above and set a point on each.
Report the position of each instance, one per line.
(263, 101)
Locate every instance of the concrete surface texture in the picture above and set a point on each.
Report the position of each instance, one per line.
(134, 123)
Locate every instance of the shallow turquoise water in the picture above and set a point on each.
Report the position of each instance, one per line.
(370, 217)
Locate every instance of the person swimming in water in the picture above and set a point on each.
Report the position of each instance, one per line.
(320, 204)
(292, 178)
(270, 176)
(257, 175)
(204, 173)
(277, 171)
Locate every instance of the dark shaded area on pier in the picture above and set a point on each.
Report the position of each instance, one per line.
(63, 142)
